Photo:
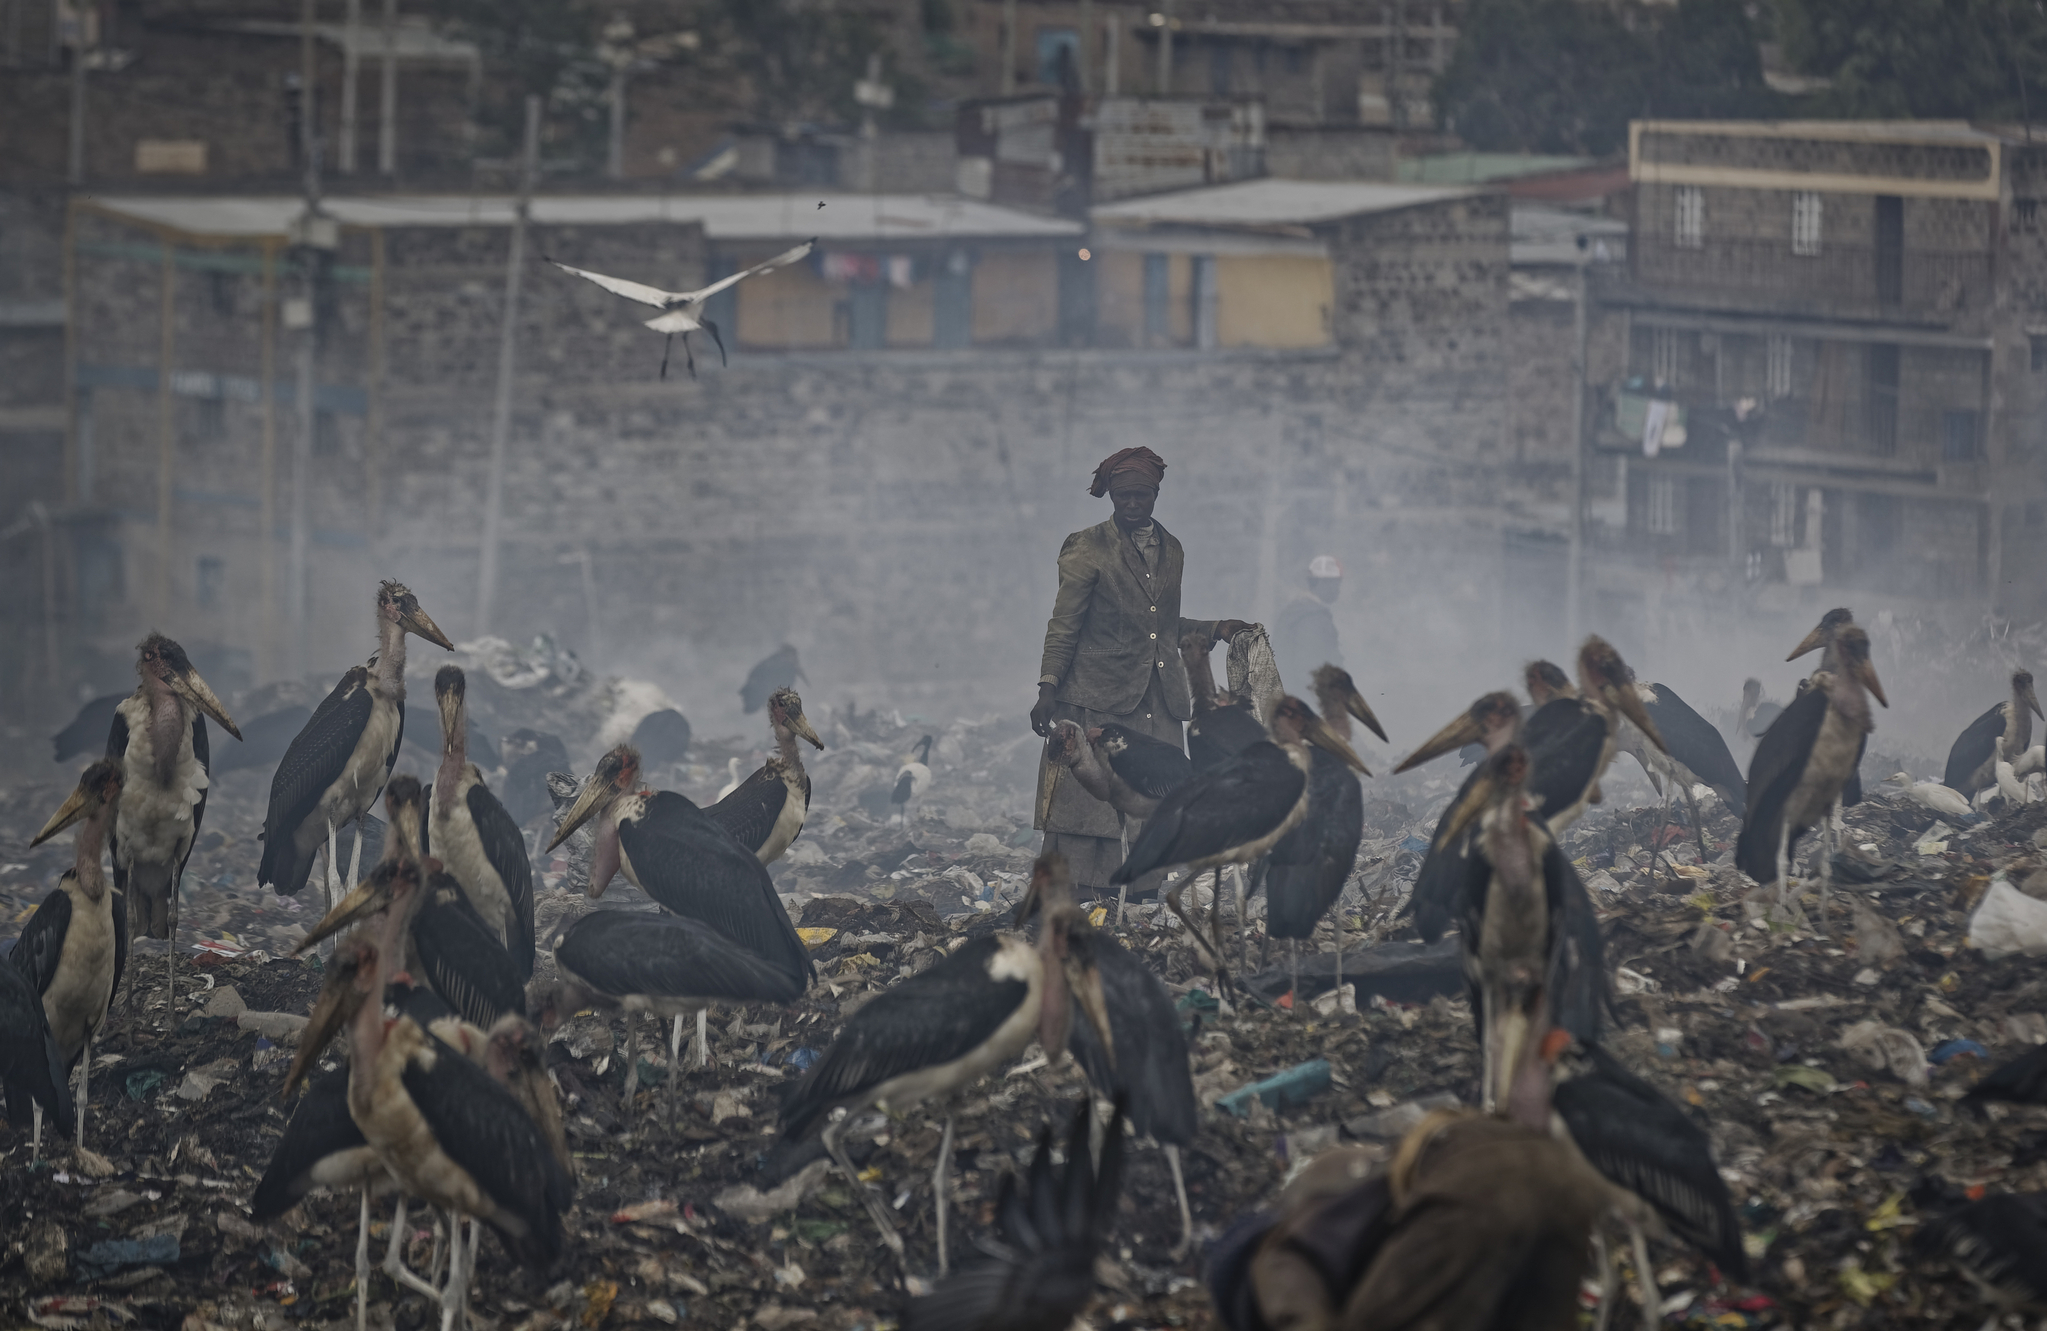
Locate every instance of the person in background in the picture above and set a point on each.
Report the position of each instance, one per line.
(1304, 634)
(1111, 652)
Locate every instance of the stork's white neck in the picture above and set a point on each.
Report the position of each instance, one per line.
(785, 748)
(167, 719)
(390, 666)
(87, 847)
(454, 754)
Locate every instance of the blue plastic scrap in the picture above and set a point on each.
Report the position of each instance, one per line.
(110, 1255)
(1950, 1049)
(1297, 1085)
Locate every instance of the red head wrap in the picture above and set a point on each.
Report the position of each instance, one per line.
(1134, 464)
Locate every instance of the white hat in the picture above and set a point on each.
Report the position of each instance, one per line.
(1324, 566)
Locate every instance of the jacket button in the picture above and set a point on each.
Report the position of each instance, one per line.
(1154, 636)
(1154, 609)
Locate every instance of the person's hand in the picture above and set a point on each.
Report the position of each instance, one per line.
(1230, 628)
(1041, 715)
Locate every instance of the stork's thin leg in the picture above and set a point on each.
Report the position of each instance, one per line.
(355, 859)
(1698, 824)
(394, 1258)
(877, 1209)
(1293, 958)
(333, 865)
(1336, 930)
(1828, 843)
(1180, 1192)
(674, 1066)
(35, 1141)
(1215, 927)
(1645, 1279)
(632, 1066)
(940, 1202)
(362, 1263)
(1122, 900)
(453, 1294)
(1609, 1279)
(1173, 900)
(84, 1071)
(703, 1037)
(1783, 863)
(170, 968)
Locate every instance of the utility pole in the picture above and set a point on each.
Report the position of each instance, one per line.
(1165, 22)
(307, 318)
(351, 69)
(501, 416)
(79, 49)
(387, 96)
(1574, 571)
(1008, 84)
(1084, 53)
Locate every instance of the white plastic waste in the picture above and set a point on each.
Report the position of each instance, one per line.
(2007, 922)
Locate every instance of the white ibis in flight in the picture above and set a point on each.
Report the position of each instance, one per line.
(657, 962)
(1040, 1274)
(765, 812)
(158, 735)
(73, 948)
(473, 837)
(1572, 734)
(683, 311)
(1532, 949)
(1306, 870)
(1492, 721)
(1223, 724)
(2000, 735)
(1804, 760)
(31, 1066)
(1694, 753)
(332, 773)
(670, 850)
(913, 778)
(1237, 810)
(946, 1027)
(779, 669)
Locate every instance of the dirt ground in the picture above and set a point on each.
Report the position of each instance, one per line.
(713, 1221)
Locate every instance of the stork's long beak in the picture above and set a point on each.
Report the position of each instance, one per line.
(1629, 703)
(418, 621)
(1322, 737)
(369, 897)
(450, 705)
(192, 689)
(1084, 983)
(588, 800)
(337, 1005)
(801, 725)
(1812, 641)
(1449, 739)
(1507, 1040)
(1467, 810)
(74, 808)
(1866, 672)
(1354, 703)
(2032, 701)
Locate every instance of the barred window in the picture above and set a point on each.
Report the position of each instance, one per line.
(1664, 357)
(1783, 515)
(1691, 217)
(1805, 222)
(1662, 506)
(1777, 365)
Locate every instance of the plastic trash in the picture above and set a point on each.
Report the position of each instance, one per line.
(2007, 922)
(1297, 1085)
(1883, 1047)
(110, 1255)
(1948, 1050)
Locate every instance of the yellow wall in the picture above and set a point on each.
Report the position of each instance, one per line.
(1016, 297)
(1278, 300)
(790, 307)
(1119, 299)
(909, 315)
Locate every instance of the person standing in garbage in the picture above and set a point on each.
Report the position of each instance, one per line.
(1304, 633)
(1111, 653)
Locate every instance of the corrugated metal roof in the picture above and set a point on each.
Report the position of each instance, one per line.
(1474, 168)
(1266, 203)
(845, 218)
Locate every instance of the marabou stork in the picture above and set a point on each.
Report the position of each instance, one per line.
(1693, 754)
(765, 812)
(1477, 1222)
(31, 1066)
(670, 850)
(1149, 1078)
(662, 737)
(1998, 1241)
(2000, 735)
(1491, 722)
(948, 1026)
(1236, 811)
(1041, 1273)
(1572, 734)
(1223, 725)
(1067, 748)
(913, 778)
(683, 311)
(1756, 712)
(1305, 872)
(73, 948)
(264, 740)
(1141, 770)
(779, 669)
(652, 961)
(158, 735)
(529, 755)
(86, 728)
(333, 771)
(1658, 1160)
(1822, 639)
(1802, 763)
(470, 833)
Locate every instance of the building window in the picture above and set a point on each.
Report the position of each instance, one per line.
(1662, 506)
(2025, 217)
(1805, 222)
(211, 580)
(1691, 217)
(1882, 367)
(1783, 515)
(1958, 437)
(1059, 57)
(1777, 365)
(1663, 357)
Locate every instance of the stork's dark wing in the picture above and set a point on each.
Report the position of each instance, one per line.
(482, 1127)
(1972, 748)
(1772, 775)
(1216, 810)
(750, 811)
(2022, 1081)
(264, 740)
(504, 845)
(694, 867)
(86, 728)
(1306, 871)
(1637, 1138)
(465, 963)
(1578, 963)
(1220, 734)
(1152, 767)
(1151, 1049)
(117, 735)
(31, 1069)
(117, 749)
(641, 952)
(934, 1017)
(41, 944)
(1565, 739)
(1439, 882)
(202, 751)
(2000, 1241)
(314, 761)
(320, 1126)
(1697, 743)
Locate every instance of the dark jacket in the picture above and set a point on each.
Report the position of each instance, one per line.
(1115, 623)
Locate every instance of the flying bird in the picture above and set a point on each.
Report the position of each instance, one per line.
(682, 311)
(780, 669)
